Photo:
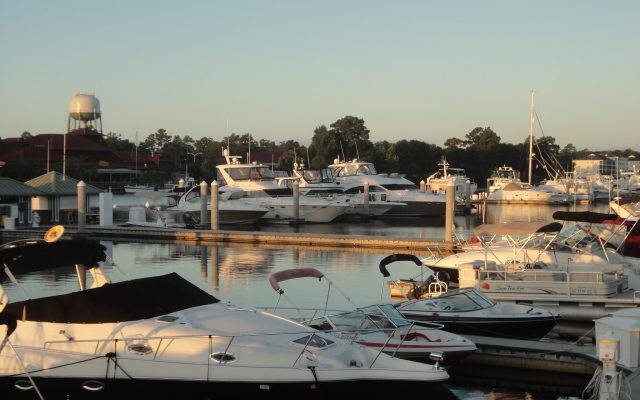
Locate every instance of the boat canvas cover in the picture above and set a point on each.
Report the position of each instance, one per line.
(293, 273)
(31, 257)
(517, 228)
(584, 216)
(116, 302)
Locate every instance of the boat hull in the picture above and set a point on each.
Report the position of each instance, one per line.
(54, 388)
(514, 328)
(418, 209)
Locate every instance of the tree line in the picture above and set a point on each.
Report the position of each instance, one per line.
(480, 152)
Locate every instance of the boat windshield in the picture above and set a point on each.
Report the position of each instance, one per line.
(386, 312)
(248, 173)
(457, 300)
(317, 175)
(350, 320)
(356, 169)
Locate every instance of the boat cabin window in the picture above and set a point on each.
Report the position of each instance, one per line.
(247, 173)
(400, 186)
(360, 189)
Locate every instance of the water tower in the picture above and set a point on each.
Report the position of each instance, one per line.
(84, 110)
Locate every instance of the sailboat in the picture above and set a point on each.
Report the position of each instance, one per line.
(507, 187)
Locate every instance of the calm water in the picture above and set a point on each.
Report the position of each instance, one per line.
(239, 274)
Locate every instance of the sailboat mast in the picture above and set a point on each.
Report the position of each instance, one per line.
(531, 126)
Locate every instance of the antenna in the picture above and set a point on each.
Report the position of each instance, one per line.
(357, 152)
(531, 127)
(341, 148)
(308, 160)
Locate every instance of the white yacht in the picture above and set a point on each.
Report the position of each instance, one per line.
(353, 175)
(230, 212)
(257, 184)
(322, 183)
(439, 180)
(505, 187)
(164, 337)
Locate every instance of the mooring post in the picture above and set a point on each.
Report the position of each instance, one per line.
(105, 200)
(450, 212)
(82, 206)
(214, 205)
(423, 186)
(203, 203)
(296, 200)
(366, 198)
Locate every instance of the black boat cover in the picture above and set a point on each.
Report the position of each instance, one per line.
(116, 302)
(396, 257)
(584, 216)
(36, 256)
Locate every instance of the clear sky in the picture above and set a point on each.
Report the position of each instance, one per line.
(426, 70)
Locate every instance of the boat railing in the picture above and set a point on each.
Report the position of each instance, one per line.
(610, 282)
(140, 345)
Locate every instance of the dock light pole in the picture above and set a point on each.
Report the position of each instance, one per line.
(82, 206)
(203, 203)
(450, 212)
(214, 205)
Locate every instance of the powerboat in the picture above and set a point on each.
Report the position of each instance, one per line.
(352, 175)
(439, 180)
(256, 184)
(579, 272)
(163, 337)
(505, 187)
(379, 326)
(465, 311)
(322, 183)
(230, 211)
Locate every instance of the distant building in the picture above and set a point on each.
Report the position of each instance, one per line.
(15, 201)
(602, 165)
(82, 147)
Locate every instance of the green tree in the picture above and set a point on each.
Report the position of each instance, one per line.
(323, 148)
(352, 135)
(482, 139)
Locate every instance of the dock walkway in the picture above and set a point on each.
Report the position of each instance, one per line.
(318, 241)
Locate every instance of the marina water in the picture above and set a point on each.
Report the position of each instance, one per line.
(239, 275)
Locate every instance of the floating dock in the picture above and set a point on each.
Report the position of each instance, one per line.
(383, 244)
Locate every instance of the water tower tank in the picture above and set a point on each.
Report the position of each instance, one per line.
(84, 107)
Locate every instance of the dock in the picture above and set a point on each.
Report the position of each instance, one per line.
(382, 244)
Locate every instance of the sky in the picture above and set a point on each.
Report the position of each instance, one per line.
(278, 69)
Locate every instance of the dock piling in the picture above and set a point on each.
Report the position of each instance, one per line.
(296, 200)
(82, 206)
(450, 212)
(214, 205)
(203, 203)
(366, 198)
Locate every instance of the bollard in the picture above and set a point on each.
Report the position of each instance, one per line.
(203, 203)
(214, 205)
(450, 212)
(366, 198)
(467, 197)
(105, 200)
(82, 206)
(296, 200)
(423, 186)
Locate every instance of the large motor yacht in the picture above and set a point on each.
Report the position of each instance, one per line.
(353, 175)
(256, 183)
